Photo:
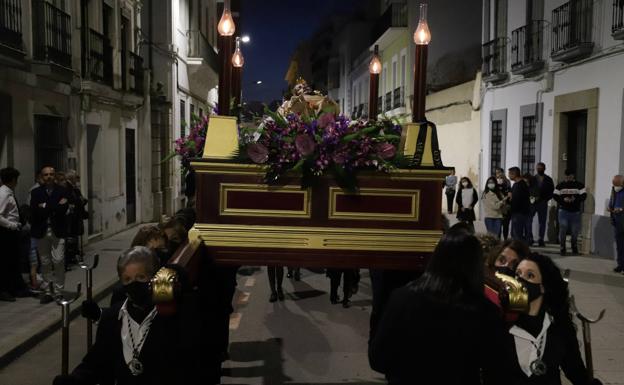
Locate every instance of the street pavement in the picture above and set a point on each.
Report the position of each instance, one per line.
(26, 322)
(305, 339)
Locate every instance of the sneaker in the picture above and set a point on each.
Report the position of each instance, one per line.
(618, 269)
(541, 244)
(4, 296)
(346, 304)
(280, 294)
(273, 297)
(46, 298)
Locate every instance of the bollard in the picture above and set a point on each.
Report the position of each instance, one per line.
(64, 303)
(89, 272)
(586, 322)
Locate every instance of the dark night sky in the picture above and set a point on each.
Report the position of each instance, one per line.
(276, 27)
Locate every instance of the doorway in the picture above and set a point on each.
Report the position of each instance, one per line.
(130, 177)
(574, 139)
(94, 187)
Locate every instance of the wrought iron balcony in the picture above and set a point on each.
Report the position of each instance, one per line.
(572, 31)
(135, 73)
(388, 102)
(394, 17)
(97, 62)
(11, 24)
(617, 25)
(398, 98)
(52, 34)
(494, 54)
(526, 48)
(198, 47)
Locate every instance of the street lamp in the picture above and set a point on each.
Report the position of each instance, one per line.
(245, 39)
(226, 29)
(373, 89)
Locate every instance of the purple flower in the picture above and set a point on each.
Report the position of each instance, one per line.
(258, 153)
(304, 144)
(325, 120)
(386, 151)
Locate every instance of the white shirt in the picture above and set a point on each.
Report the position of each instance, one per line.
(467, 196)
(9, 214)
(526, 344)
(138, 331)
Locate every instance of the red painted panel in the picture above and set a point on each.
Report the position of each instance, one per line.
(265, 200)
(374, 204)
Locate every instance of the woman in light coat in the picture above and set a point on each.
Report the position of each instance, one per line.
(493, 203)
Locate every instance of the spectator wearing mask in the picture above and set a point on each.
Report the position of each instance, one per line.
(504, 185)
(450, 184)
(493, 202)
(49, 204)
(520, 205)
(616, 208)
(545, 187)
(466, 199)
(570, 195)
(76, 216)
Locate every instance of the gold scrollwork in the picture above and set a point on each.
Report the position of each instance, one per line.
(163, 285)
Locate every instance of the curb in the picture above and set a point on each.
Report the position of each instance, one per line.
(53, 326)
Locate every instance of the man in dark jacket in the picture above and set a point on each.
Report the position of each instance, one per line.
(544, 186)
(49, 204)
(616, 208)
(520, 205)
(570, 195)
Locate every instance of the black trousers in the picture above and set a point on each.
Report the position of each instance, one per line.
(450, 200)
(348, 280)
(10, 278)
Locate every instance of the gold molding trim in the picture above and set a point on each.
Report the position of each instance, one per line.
(207, 167)
(224, 188)
(413, 216)
(317, 238)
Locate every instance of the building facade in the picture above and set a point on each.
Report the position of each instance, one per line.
(553, 92)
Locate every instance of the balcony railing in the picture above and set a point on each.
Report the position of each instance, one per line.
(394, 17)
(398, 98)
(526, 48)
(617, 25)
(52, 34)
(135, 73)
(494, 54)
(98, 60)
(11, 24)
(388, 101)
(572, 30)
(198, 47)
(380, 108)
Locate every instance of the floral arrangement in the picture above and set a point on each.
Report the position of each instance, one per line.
(319, 144)
(192, 145)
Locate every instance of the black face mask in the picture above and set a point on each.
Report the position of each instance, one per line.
(139, 293)
(540, 172)
(534, 289)
(505, 270)
(163, 255)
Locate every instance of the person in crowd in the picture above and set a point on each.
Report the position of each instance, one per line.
(76, 216)
(533, 196)
(450, 184)
(467, 198)
(493, 202)
(543, 341)
(276, 278)
(11, 282)
(49, 204)
(520, 205)
(440, 329)
(294, 273)
(570, 195)
(544, 187)
(153, 237)
(36, 284)
(504, 185)
(616, 209)
(134, 343)
(505, 259)
(348, 280)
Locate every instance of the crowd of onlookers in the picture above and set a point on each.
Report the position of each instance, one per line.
(511, 202)
(41, 237)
